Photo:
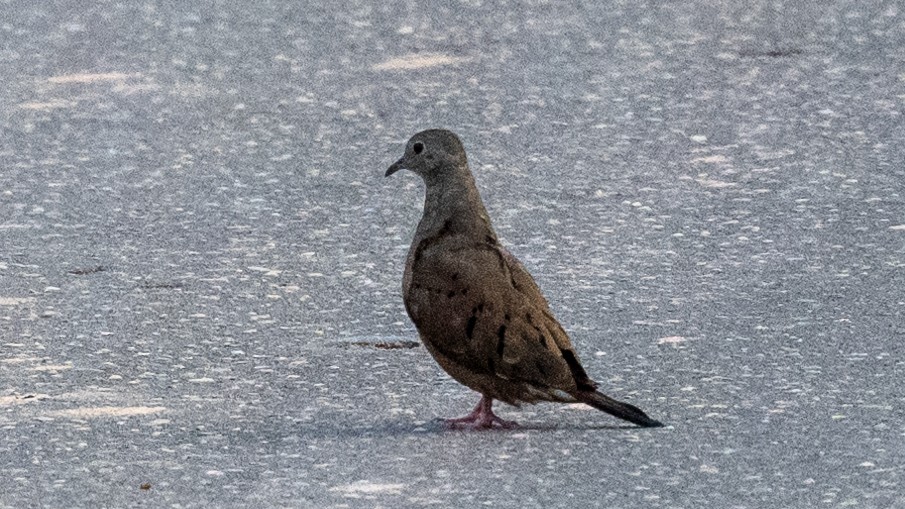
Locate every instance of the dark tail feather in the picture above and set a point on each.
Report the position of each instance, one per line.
(618, 409)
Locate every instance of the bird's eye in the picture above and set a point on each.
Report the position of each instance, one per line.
(418, 147)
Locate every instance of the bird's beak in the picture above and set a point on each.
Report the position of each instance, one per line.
(398, 165)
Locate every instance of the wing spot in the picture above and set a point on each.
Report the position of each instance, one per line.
(469, 327)
(501, 340)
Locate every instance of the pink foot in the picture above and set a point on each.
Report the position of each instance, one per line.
(482, 417)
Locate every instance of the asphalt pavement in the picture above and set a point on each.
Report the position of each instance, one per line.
(201, 261)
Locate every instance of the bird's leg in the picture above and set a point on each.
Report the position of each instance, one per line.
(482, 417)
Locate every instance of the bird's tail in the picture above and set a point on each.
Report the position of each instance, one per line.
(618, 409)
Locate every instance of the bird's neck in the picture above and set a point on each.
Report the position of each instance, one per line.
(454, 206)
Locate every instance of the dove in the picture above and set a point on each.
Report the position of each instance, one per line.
(478, 311)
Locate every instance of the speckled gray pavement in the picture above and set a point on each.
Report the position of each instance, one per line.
(200, 259)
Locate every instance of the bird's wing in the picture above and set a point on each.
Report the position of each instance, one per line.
(478, 306)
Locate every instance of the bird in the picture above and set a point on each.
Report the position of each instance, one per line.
(477, 310)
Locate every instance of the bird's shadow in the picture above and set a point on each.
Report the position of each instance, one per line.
(437, 427)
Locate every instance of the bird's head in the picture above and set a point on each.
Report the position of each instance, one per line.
(431, 154)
